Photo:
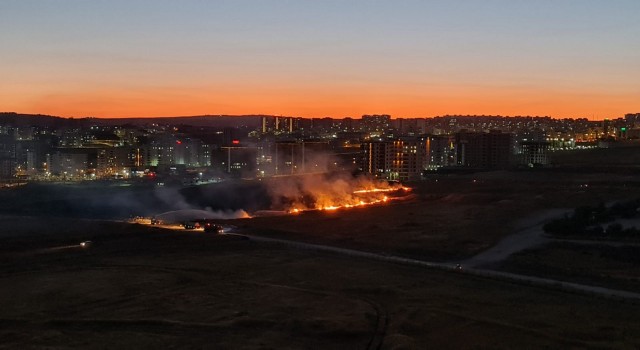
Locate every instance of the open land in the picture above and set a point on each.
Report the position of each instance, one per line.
(450, 218)
(139, 286)
(612, 266)
(145, 287)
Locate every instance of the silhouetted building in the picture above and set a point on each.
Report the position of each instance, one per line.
(374, 158)
(322, 125)
(73, 163)
(299, 157)
(237, 161)
(533, 153)
(440, 151)
(401, 159)
(489, 150)
(376, 122)
(409, 126)
(118, 161)
(7, 156)
(278, 125)
(31, 157)
(302, 124)
(632, 119)
(405, 158)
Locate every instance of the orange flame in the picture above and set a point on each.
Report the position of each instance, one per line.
(358, 198)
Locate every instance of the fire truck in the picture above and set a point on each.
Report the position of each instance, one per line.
(212, 227)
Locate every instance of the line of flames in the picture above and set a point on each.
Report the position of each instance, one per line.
(361, 203)
(373, 190)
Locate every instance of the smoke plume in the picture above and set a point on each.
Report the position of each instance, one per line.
(322, 191)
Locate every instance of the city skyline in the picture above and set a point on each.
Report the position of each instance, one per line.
(413, 59)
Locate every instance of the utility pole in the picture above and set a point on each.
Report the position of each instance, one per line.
(303, 165)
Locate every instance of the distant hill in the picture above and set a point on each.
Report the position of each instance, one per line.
(203, 120)
(17, 119)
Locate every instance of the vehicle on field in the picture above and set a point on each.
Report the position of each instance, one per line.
(213, 227)
(190, 225)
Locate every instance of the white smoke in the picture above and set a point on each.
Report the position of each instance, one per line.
(196, 214)
(324, 190)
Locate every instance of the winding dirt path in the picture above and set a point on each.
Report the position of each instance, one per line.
(528, 235)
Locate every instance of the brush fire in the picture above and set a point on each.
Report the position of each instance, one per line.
(333, 193)
(297, 194)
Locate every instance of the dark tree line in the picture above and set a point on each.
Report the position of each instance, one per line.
(597, 221)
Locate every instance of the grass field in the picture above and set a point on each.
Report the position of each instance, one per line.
(593, 264)
(451, 218)
(143, 287)
(140, 287)
(622, 156)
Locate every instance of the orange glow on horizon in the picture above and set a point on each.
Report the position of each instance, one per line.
(317, 103)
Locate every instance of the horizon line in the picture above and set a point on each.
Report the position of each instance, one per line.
(331, 117)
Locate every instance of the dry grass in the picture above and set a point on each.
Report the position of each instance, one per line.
(141, 288)
(607, 266)
(450, 219)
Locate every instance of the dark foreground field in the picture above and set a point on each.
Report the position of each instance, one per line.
(140, 287)
(612, 265)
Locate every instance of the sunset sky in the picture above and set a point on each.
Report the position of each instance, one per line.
(316, 58)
